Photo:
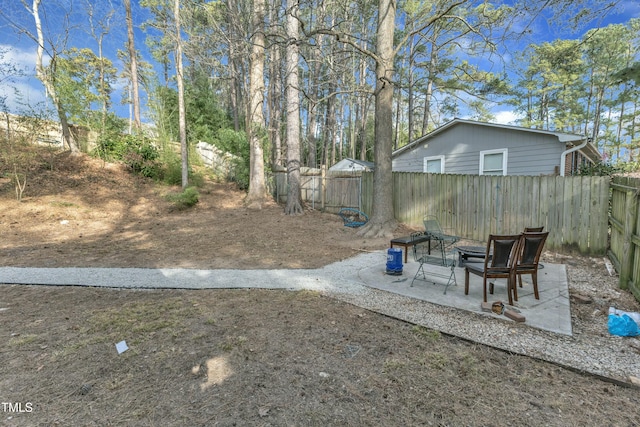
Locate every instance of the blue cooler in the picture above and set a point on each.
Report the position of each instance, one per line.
(394, 261)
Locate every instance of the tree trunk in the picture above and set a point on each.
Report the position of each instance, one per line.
(382, 221)
(274, 100)
(351, 126)
(182, 121)
(340, 132)
(363, 109)
(398, 128)
(429, 91)
(330, 128)
(133, 63)
(46, 79)
(257, 194)
(294, 199)
(410, 95)
(314, 89)
(312, 141)
(233, 85)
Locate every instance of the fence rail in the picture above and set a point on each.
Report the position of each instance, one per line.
(572, 209)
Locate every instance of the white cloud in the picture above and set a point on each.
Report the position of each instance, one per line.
(22, 59)
(21, 95)
(20, 91)
(506, 117)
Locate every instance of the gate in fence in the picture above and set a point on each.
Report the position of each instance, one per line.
(330, 191)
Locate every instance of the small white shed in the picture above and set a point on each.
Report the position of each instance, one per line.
(352, 165)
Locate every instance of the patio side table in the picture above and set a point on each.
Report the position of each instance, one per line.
(466, 252)
(410, 241)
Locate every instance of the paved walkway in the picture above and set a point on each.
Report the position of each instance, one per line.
(361, 281)
(551, 312)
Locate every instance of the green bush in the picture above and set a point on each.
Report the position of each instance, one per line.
(185, 199)
(172, 172)
(240, 174)
(135, 151)
(110, 148)
(142, 157)
(236, 143)
(599, 169)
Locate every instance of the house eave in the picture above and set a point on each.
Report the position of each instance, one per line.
(566, 138)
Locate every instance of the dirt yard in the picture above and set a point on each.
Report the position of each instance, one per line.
(237, 357)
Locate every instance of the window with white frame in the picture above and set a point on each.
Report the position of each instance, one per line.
(434, 164)
(493, 162)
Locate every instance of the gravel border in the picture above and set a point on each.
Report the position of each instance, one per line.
(608, 357)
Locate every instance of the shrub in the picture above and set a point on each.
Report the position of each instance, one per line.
(599, 169)
(240, 174)
(236, 143)
(173, 170)
(135, 151)
(172, 173)
(142, 157)
(185, 199)
(109, 148)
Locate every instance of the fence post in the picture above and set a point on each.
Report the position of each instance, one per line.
(631, 216)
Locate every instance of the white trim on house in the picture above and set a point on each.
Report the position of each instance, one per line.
(504, 152)
(426, 160)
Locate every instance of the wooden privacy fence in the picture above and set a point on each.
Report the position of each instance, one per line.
(573, 209)
(580, 212)
(329, 191)
(624, 249)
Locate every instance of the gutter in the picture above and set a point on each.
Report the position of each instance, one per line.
(563, 156)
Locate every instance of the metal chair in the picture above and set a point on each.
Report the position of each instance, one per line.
(441, 240)
(434, 253)
(531, 245)
(500, 260)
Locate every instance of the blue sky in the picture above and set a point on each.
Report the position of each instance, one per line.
(21, 50)
(543, 30)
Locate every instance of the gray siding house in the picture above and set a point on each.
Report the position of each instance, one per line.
(478, 148)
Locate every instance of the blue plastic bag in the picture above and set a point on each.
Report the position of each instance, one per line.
(622, 325)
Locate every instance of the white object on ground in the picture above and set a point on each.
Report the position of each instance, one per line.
(610, 269)
(633, 315)
(122, 347)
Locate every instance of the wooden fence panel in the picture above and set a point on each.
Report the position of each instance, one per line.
(335, 191)
(624, 249)
(599, 224)
(618, 198)
(573, 209)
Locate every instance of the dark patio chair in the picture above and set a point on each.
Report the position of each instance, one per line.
(500, 261)
(533, 229)
(531, 245)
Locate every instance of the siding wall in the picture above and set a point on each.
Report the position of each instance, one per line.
(528, 153)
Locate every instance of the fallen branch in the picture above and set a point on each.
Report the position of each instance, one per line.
(19, 186)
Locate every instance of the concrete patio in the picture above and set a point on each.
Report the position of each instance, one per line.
(551, 312)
